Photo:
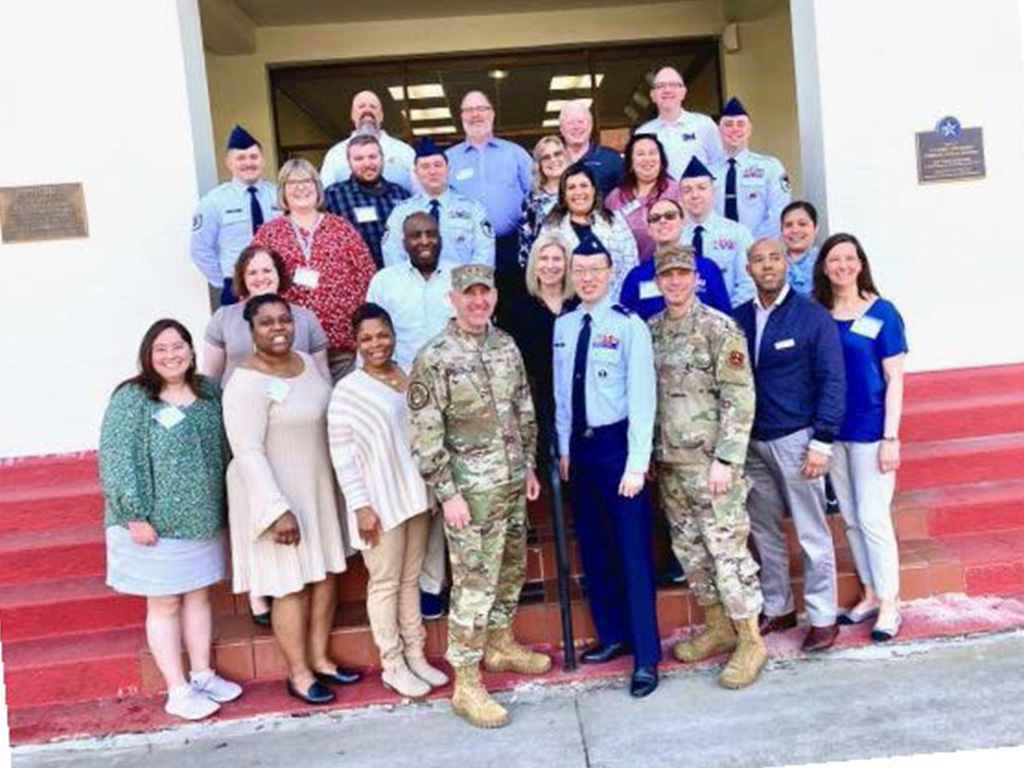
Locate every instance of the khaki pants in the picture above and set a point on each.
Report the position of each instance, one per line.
(393, 594)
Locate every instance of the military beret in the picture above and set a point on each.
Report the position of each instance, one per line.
(466, 275)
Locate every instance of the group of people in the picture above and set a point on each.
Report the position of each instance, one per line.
(412, 342)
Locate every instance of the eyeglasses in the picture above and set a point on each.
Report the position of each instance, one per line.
(300, 182)
(667, 86)
(654, 218)
(553, 156)
(476, 110)
(589, 271)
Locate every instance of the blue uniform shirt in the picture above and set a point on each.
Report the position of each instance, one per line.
(726, 244)
(867, 341)
(606, 164)
(762, 191)
(800, 273)
(222, 226)
(466, 235)
(641, 294)
(497, 174)
(620, 379)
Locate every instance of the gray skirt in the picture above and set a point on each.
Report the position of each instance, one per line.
(170, 567)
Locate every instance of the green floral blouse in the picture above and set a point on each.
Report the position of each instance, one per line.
(164, 464)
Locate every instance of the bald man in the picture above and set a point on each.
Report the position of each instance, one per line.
(576, 125)
(368, 119)
(684, 135)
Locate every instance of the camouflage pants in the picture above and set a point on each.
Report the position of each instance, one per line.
(488, 559)
(709, 536)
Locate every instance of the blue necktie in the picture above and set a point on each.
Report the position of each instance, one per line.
(435, 210)
(698, 240)
(579, 379)
(254, 209)
(731, 203)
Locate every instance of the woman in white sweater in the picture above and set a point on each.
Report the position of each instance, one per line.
(386, 501)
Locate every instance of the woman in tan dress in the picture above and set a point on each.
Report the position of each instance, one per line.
(286, 537)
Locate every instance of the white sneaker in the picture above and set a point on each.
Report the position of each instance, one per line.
(214, 687)
(186, 703)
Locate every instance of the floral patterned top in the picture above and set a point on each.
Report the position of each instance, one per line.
(164, 464)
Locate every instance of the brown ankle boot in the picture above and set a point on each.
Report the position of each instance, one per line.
(472, 702)
(749, 658)
(503, 654)
(718, 637)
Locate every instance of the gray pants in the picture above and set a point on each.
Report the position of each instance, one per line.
(778, 485)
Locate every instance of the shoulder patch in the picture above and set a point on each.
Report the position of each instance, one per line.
(736, 360)
(197, 222)
(622, 310)
(418, 395)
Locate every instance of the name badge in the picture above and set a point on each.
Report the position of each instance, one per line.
(169, 417)
(365, 214)
(867, 326)
(629, 207)
(463, 174)
(785, 344)
(307, 277)
(649, 290)
(277, 390)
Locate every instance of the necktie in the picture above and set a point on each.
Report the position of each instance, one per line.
(731, 207)
(698, 240)
(255, 212)
(579, 379)
(435, 210)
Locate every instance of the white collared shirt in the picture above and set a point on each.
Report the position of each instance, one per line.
(761, 315)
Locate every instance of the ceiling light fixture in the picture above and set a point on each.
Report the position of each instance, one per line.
(423, 91)
(573, 82)
(433, 130)
(555, 105)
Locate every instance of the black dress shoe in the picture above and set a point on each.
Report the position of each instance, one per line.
(261, 619)
(315, 694)
(341, 677)
(768, 624)
(599, 654)
(644, 681)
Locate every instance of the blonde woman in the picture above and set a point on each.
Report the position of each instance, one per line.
(550, 159)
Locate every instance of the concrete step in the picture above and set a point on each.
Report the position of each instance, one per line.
(71, 503)
(953, 462)
(965, 416)
(964, 382)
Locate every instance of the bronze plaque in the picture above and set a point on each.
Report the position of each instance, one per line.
(43, 212)
(950, 153)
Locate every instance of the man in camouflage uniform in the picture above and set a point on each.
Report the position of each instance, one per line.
(474, 438)
(705, 413)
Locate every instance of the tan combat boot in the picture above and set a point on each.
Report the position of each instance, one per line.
(503, 654)
(718, 637)
(472, 702)
(749, 658)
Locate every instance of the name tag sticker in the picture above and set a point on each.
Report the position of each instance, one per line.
(307, 277)
(365, 214)
(631, 206)
(785, 344)
(649, 290)
(463, 174)
(169, 417)
(867, 326)
(277, 390)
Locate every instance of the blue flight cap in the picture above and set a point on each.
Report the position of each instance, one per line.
(427, 148)
(589, 246)
(695, 169)
(734, 108)
(241, 139)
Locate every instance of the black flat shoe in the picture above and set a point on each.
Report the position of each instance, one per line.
(316, 694)
(261, 619)
(600, 654)
(644, 681)
(341, 677)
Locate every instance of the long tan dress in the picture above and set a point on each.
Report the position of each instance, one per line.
(278, 433)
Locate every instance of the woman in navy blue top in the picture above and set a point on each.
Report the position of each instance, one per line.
(867, 449)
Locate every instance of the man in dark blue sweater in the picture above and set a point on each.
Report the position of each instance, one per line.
(801, 393)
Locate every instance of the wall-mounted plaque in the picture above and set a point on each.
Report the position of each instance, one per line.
(950, 153)
(44, 212)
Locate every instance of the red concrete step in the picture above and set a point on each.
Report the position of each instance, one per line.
(51, 555)
(969, 460)
(993, 563)
(963, 416)
(42, 471)
(956, 510)
(964, 382)
(69, 504)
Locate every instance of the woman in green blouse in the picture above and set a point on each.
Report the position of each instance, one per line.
(162, 461)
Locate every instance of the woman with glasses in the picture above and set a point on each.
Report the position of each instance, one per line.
(550, 159)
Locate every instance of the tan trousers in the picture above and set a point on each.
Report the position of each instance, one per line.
(393, 594)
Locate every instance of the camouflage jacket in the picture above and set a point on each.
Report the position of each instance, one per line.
(473, 423)
(705, 387)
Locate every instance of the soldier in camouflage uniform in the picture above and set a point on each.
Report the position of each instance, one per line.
(474, 438)
(705, 413)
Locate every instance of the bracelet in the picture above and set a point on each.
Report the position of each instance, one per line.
(892, 439)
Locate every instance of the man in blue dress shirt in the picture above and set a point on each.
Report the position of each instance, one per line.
(750, 188)
(229, 215)
(466, 234)
(605, 399)
(576, 125)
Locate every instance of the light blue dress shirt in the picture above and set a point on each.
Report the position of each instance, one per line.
(620, 378)
(762, 191)
(726, 244)
(498, 174)
(399, 158)
(466, 235)
(690, 135)
(419, 307)
(800, 273)
(222, 226)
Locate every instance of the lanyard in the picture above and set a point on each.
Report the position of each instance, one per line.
(305, 245)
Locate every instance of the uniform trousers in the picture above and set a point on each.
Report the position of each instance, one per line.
(488, 569)
(865, 499)
(614, 535)
(393, 594)
(778, 485)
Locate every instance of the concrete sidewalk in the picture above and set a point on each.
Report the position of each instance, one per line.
(858, 703)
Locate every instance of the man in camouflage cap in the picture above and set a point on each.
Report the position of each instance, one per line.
(705, 413)
(474, 438)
